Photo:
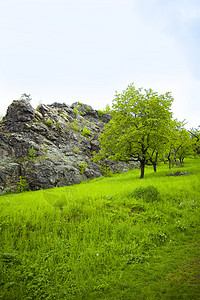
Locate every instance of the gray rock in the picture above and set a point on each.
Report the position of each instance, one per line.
(179, 173)
(46, 146)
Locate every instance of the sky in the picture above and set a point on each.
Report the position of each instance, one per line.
(86, 50)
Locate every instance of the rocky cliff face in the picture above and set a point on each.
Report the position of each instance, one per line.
(49, 146)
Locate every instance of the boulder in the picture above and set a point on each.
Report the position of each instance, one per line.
(179, 173)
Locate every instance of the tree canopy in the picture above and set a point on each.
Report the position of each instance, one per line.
(139, 126)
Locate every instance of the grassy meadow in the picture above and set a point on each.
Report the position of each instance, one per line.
(118, 237)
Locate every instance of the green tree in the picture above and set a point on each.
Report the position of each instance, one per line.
(185, 145)
(179, 143)
(195, 137)
(138, 128)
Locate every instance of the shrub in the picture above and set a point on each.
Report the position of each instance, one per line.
(76, 111)
(106, 171)
(49, 122)
(32, 153)
(82, 167)
(88, 108)
(148, 194)
(85, 131)
(22, 185)
(25, 97)
(76, 150)
(107, 109)
(31, 156)
(101, 113)
(75, 126)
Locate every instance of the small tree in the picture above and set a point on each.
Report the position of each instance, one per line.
(138, 128)
(26, 97)
(195, 138)
(179, 144)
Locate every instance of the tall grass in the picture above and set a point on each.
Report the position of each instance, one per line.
(110, 238)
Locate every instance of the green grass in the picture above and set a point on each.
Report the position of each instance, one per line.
(110, 238)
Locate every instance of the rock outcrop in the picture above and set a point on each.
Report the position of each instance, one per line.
(50, 146)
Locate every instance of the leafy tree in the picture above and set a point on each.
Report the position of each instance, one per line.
(138, 128)
(185, 147)
(195, 136)
(179, 145)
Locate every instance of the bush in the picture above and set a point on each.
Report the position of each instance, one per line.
(76, 150)
(22, 185)
(83, 167)
(106, 171)
(85, 131)
(49, 122)
(75, 126)
(76, 111)
(101, 113)
(148, 194)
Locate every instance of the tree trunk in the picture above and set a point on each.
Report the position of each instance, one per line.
(155, 162)
(175, 159)
(142, 166)
(169, 159)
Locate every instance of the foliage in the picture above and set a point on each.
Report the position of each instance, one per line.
(139, 127)
(195, 139)
(88, 108)
(101, 113)
(57, 124)
(49, 122)
(75, 126)
(179, 143)
(86, 132)
(26, 97)
(96, 240)
(76, 150)
(76, 111)
(83, 167)
(80, 103)
(32, 155)
(107, 109)
(106, 171)
(22, 185)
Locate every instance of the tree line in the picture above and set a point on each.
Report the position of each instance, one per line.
(142, 129)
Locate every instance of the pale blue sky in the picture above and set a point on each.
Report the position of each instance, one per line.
(85, 50)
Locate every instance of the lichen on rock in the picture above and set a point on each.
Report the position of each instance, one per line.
(56, 134)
